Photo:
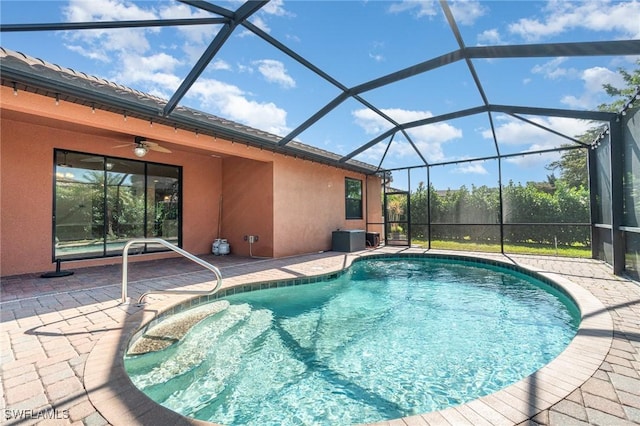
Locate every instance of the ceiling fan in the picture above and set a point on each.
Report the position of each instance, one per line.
(141, 146)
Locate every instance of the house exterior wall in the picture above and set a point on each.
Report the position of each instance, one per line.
(26, 199)
(309, 200)
(292, 205)
(25, 215)
(247, 205)
(375, 218)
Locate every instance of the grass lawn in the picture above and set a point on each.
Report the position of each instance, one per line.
(521, 248)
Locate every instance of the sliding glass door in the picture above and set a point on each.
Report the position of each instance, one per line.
(102, 202)
(162, 201)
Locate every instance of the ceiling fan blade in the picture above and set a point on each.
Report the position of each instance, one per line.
(93, 160)
(159, 148)
(140, 141)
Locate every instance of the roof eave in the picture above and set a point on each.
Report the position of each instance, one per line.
(101, 94)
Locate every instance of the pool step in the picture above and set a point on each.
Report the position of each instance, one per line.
(224, 358)
(173, 328)
(157, 368)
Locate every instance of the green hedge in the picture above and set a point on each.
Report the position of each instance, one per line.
(532, 203)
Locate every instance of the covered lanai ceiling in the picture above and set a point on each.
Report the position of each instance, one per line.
(390, 84)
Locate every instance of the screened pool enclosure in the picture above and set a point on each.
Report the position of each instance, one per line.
(474, 138)
(599, 220)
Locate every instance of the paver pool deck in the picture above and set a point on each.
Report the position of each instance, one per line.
(61, 340)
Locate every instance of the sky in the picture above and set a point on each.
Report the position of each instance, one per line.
(251, 82)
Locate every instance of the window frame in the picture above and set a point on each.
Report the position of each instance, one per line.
(349, 200)
(106, 252)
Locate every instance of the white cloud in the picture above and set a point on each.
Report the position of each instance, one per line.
(219, 64)
(476, 168)
(428, 8)
(198, 34)
(107, 40)
(593, 78)
(272, 8)
(514, 132)
(125, 48)
(276, 8)
(244, 68)
(232, 103)
(552, 69)
(597, 76)
(562, 16)
(93, 54)
(105, 10)
(275, 72)
(428, 139)
(293, 38)
(370, 122)
(534, 162)
(532, 30)
(406, 116)
(154, 72)
(490, 37)
(376, 48)
(159, 73)
(107, 44)
(154, 63)
(259, 22)
(467, 12)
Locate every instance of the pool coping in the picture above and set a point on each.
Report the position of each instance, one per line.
(113, 394)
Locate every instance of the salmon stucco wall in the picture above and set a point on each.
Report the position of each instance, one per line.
(201, 189)
(309, 199)
(291, 204)
(375, 218)
(26, 173)
(247, 206)
(26, 199)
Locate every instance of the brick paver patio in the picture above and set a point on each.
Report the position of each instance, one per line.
(51, 326)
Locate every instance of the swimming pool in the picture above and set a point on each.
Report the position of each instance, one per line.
(385, 340)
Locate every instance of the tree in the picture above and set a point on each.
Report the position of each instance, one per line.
(622, 95)
(572, 165)
(419, 213)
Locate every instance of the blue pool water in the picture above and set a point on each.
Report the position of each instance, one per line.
(388, 339)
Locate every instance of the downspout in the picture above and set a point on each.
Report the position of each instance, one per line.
(592, 165)
(429, 207)
(501, 203)
(617, 164)
(366, 203)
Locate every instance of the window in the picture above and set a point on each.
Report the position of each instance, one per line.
(102, 202)
(353, 198)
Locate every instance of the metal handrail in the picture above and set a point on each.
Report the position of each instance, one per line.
(125, 261)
